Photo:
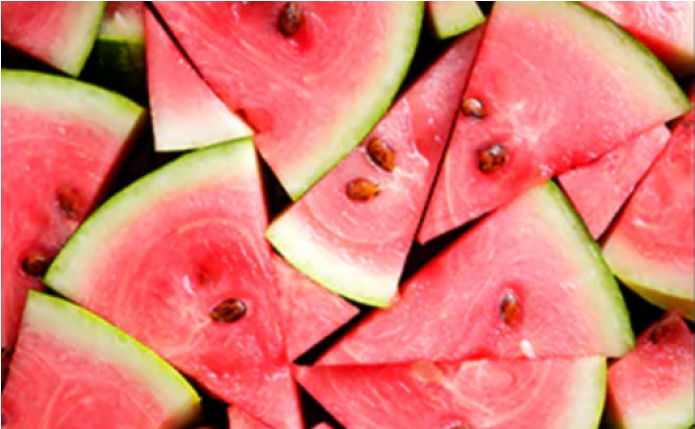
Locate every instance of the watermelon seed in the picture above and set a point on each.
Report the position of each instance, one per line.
(473, 107)
(381, 154)
(493, 158)
(290, 19)
(362, 190)
(510, 309)
(36, 264)
(228, 311)
(69, 203)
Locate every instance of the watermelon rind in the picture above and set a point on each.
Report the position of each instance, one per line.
(589, 396)
(451, 18)
(83, 330)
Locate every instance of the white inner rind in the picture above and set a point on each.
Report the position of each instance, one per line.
(451, 18)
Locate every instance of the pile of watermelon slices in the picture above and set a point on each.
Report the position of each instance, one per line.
(359, 215)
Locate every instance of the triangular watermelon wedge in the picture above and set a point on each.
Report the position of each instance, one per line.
(556, 85)
(239, 419)
(598, 190)
(528, 281)
(451, 18)
(312, 78)
(356, 245)
(178, 260)
(186, 114)
(539, 394)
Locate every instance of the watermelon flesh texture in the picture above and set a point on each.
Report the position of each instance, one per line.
(575, 105)
(650, 248)
(600, 189)
(451, 18)
(541, 394)
(310, 312)
(358, 248)
(238, 419)
(665, 27)
(186, 114)
(312, 96)
(162, 255)
(62, 141)
(72, 370)
(60, 34)
(652, 387)
(499, 292)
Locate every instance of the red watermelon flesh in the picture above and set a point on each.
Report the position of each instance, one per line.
(598, 190)
(61, 141)
(186, 114)
(499, 292)
(558, 86)
(60, 34)
(310, 312)
(665, 27)
(312, 93)
(652, 387)
(239, 419)
(540, 394)
(72, 370)
(358, 248)
(178, 261)
(323, 426)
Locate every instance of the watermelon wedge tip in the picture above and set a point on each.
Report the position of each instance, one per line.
(451, 18)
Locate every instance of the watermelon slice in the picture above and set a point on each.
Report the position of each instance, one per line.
(302, 300)
(665, 27)
(60, 34)
(652, 387)
(451, 18)
(323, 426)
(500, 291)
(587, 86)
(61, 141)
(238, 419)
(542, 394)
(186, 114)
(72, 370)
(651, 246)
(354, 239)
(178, 261)
(312, 78)
(600, 189)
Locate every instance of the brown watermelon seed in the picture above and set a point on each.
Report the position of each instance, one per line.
(493, 158)
(362, 190)
(473, 107)
(35, 264)
(69, 202)
(381, 154)
(510, 309)
(290, 19)
(228, 311)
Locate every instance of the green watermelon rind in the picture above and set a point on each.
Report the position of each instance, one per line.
(465, 16)
(215, 164)
(85, 331)
(588, 403)
(406, 34)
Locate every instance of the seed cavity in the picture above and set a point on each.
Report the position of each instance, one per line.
(69, 202)
(510, 309)
(290, 19)
(381, 154)
(228, 311)
(36, 264)
(362, 190)
(473, 107)
(493, 158)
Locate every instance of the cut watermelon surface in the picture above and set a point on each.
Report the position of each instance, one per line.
(665, 27)
(652, 387)
(72, 370)
(186, 114)
(311, 78)
(302, 300)
(61, 141)
(451, 18)
(580, 86)
(501, 291)
(176, 261)
(598, 190)
(650, 247)
(542, 394)
(238, 419)
(352, 232)
(60, 34)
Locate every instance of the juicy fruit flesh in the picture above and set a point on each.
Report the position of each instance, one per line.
(65, 353)
(498, 292)
(548, 394)
(306, 120)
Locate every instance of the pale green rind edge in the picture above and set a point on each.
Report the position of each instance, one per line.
(589, 384)
(79, 328)
(674, 412)
(403, 43)
(220, 163)
(459, 18)
(74, 58)
(132, 32)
